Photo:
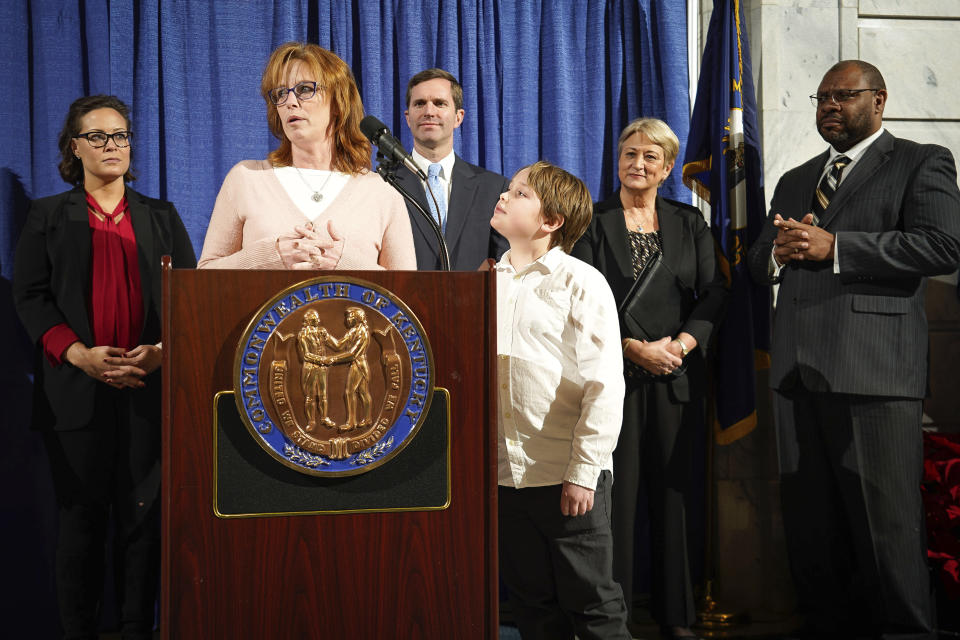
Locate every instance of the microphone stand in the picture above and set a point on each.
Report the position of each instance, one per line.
(388, 170)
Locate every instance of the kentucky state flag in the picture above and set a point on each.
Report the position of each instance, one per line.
(723, 166)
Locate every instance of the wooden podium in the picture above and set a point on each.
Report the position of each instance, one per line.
(234, 571)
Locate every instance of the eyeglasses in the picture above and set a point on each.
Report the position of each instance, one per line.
(837, 97)
(302, 90)
(98, 139)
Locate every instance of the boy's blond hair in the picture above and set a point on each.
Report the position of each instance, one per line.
(562, 195)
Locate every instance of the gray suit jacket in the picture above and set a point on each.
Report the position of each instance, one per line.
(474, 192)
(863, 331)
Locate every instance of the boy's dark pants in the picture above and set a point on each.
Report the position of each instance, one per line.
(559, 569)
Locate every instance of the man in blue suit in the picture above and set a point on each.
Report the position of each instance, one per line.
(852, 237)
(466, 194)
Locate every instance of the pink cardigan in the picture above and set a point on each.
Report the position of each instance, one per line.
(253, 209)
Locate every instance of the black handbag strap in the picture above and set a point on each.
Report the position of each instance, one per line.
(649, 268)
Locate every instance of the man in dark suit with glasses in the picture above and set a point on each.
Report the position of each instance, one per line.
(852, 237)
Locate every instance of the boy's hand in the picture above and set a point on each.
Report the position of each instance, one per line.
(575, 500)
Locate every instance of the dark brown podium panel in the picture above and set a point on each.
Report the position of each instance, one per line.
(346, 559)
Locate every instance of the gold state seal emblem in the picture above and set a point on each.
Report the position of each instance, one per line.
(333, 376)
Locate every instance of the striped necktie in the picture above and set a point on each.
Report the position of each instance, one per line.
(828, 186)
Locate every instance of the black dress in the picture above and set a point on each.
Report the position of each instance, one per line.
(660, 418)
(652, 438)
(644, 247)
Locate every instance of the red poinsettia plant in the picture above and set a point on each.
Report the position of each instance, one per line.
(941, 500)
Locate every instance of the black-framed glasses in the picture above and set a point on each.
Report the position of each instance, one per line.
(837, 97)
(98, 139)
(302, 90)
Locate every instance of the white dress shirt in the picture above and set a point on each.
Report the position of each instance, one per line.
(445, 177)
(560, 372)
(854, 153)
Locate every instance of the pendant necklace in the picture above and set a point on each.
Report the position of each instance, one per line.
(634, 218)
(317, 196)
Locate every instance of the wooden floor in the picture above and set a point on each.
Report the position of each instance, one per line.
(772, 627)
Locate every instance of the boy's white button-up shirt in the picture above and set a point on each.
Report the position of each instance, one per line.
(560, 372)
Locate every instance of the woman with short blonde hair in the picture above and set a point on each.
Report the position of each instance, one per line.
(657, 132)
(633, 232)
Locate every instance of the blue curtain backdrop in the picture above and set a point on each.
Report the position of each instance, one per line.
(552, 80)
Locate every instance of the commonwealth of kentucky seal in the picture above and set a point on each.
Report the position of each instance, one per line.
(333, 376)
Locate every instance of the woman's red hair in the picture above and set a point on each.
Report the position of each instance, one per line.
(351, 149)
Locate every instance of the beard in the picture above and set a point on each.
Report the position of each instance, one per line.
(851, 130)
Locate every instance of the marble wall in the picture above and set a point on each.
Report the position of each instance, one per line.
(916, 45)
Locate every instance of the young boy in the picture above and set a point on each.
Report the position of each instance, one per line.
(560, 368)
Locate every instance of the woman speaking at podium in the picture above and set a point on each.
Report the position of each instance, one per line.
(86, 285)
(313, 203)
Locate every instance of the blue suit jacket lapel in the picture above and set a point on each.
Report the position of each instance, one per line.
(462, 192)
(415, 187)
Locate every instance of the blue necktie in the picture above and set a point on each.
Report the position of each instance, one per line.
(433, 180)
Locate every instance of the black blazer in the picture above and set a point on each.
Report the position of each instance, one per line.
(51, 281)
(864, 331)
(474, 192)
(688, 249)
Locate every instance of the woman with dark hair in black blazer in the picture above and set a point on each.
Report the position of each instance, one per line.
(666, 375)
(86, 285)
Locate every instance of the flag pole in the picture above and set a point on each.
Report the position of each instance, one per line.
(710, 615)
(721, 158)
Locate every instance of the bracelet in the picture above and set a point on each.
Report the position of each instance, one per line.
(626, 343)
(683, 347)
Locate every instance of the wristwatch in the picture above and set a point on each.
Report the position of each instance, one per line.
(683, 347)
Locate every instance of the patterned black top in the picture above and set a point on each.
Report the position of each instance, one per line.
(643, 248)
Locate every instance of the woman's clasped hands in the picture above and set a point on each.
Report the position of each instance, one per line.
(308, 248)
(114, 365)
(655, 356)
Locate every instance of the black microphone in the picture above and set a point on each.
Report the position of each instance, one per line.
(390, 147)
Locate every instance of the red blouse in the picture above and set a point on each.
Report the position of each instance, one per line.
(115, 296)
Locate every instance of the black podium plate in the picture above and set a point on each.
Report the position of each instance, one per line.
(247, 482)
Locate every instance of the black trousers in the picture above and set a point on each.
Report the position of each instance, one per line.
(850, 474)
(110, 466)
(654, 454)
(557, 568)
